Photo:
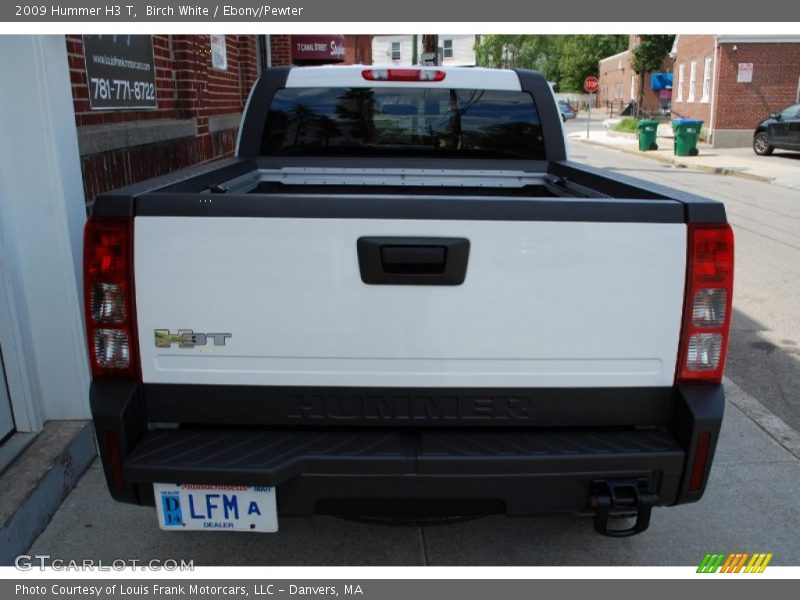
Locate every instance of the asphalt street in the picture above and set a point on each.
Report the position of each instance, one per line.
(751, 504)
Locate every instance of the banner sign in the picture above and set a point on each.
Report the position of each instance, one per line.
(120, 71)
(319, 48)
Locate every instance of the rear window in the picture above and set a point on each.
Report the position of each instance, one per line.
(410, 121)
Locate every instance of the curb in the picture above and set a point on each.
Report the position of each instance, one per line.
(683, 165)
(777, 429)
(38, 480)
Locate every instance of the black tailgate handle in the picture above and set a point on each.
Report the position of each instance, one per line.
(413, 260)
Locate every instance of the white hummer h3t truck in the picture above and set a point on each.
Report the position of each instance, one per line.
(401, 299)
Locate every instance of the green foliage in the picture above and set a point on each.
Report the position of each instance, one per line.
(565, 60)
(580, 55)
(538, 52)
(627, 125)
(650, 52)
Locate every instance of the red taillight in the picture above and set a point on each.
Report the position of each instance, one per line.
(108, 297)
(707, 307)
(403, 75)
(701, 452)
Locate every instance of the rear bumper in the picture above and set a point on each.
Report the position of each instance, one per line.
(516, 471)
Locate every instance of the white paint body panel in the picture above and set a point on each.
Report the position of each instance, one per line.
(455, 78)
(544, 304)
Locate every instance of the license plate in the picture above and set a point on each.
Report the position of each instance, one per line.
(190, 507)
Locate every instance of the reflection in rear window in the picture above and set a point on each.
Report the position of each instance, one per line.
(403, 122)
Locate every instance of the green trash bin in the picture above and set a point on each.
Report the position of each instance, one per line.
(648, 131)
(686, 131)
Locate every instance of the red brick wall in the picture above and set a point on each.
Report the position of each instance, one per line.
(776, 71)
(692, 48)
(618, 70)
(358, 49)
(615, 73)
(187, 87)
(281, 48)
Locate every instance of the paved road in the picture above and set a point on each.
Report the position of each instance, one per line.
(750, 505)
(578, 124)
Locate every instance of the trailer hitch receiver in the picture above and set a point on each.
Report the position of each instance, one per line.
(619, 497)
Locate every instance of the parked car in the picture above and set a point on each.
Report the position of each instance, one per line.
(567, 112)
(781, 130)
(394, 319)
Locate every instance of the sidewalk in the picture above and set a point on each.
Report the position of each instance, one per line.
(782, 168)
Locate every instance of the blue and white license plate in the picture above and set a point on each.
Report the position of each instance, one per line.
(188, 507)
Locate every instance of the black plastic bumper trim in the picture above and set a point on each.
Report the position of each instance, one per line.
(493, 465)
(524, 470)
(409, 407)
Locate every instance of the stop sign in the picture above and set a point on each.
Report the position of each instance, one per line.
(591, 83)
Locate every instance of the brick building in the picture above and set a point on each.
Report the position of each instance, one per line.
(199, 105)
(198, 114)
(619, 84)
(732, 82)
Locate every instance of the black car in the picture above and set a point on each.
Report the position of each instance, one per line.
(780, 130)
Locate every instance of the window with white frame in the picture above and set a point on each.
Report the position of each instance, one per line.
(395, 50)
(681, 72)
(692, 80)
(706, 80)
(447, 48)
(633, 87)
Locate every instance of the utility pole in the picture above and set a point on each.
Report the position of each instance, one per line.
(414, 57)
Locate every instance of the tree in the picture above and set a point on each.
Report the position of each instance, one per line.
(648, 55)
(537, 52)
(580, 55)
(565, 60)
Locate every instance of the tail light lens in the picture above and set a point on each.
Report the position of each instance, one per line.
(108, 297)
(707, 312)
(403, 75)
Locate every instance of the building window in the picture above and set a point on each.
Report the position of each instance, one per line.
(692, 80)
(395, 50)
(681, 71)
(618, 91)
(706, 79)
(633, 87)
(447, 48)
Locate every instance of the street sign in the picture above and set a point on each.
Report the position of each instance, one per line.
(590, 84)
(428, 58)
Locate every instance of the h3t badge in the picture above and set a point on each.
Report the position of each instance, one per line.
(186, 338)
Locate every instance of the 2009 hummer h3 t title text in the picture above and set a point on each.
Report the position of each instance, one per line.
(400, 298)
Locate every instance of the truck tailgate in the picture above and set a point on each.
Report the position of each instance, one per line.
(543, 304)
